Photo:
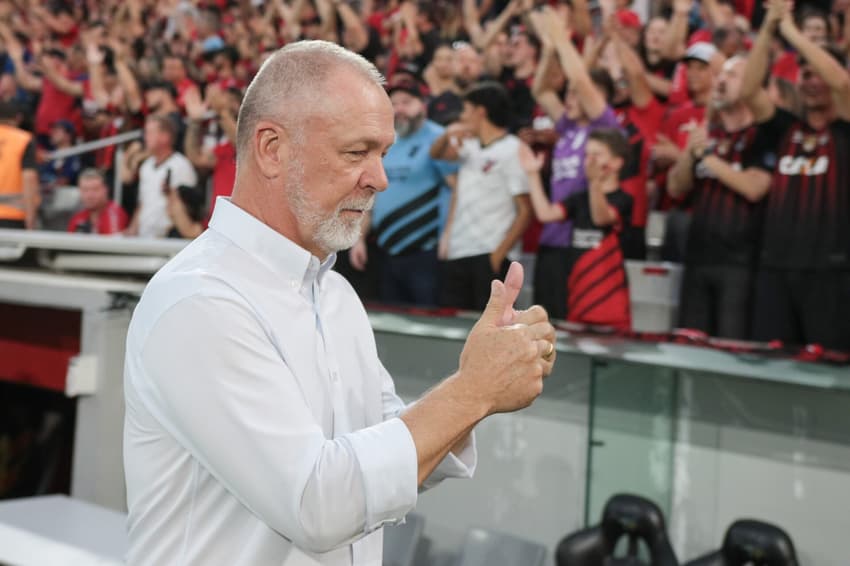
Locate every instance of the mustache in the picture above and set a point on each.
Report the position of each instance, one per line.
(358, 204)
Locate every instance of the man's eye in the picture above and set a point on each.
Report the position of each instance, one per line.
(358, 153)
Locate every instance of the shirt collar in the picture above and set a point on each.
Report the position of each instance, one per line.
(298, 266)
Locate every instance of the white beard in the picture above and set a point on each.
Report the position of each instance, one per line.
(331, 232)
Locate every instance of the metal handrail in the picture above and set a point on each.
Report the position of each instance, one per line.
(95, 145)
(42, 239)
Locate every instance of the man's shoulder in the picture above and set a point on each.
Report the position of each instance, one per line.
(507, 146)
(196, 274)
(180, 160)
(431, 129)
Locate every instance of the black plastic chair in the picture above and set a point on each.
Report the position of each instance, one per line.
(752, 542)
(624, 515)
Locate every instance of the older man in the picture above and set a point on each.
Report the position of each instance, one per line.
(261, 427)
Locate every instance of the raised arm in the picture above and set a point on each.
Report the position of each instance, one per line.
(447, 146)
(472, 22)
(680, 180)
(498, 25)
(64, 84)
(677, 31)
(592, 101)
(634, 70)
(196, 112)
(15, 50)
(756, 69)
(126, 77)
(544, 210)
(355, 36)
(580, 19)
(327, 15)
(823, 63)
(542, 88)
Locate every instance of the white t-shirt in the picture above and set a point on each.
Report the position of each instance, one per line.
(489, 179)
(153, 214)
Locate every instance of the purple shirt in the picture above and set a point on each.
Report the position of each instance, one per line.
(568, 170)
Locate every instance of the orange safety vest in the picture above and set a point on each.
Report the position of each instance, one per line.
(13, 144)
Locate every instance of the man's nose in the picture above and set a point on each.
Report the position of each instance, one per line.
(375, 176)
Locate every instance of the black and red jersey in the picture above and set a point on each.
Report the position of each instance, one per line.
(597, 289)
(640, 126)
(725, 226)
(807, 216)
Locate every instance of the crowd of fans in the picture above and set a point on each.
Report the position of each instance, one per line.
(547, 126)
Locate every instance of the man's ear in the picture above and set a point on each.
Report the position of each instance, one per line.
(271, 149)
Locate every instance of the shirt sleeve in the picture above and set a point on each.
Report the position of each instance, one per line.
(763, 151)
(446, 168)
(621, 202)
(605, 120)
(29, 161)
(564, 125)
(226, 394)
(571, 204)
(460, 465)
(515, 176)
(182, 173)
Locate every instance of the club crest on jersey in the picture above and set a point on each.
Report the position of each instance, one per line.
(810, 143)
(798, 165)
(488, 165)
(722, 147)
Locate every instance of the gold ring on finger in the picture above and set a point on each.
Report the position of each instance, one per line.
(549, 351)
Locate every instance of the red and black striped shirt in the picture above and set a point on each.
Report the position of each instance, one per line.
(725, 226)
(807, 217)
(597, 289)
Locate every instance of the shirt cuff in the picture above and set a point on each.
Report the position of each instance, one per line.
(455, 465)
(389, 467)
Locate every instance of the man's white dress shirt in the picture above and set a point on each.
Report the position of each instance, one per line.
(261, 428)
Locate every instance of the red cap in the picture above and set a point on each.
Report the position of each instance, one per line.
(629, 19)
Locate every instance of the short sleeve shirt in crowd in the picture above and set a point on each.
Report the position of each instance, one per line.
(680, 120)
(807, 216)
(56, 105)
(408, 216)
(110, 220)
(489, 178)
(153, 215)
(568, 170)
(598, 292)
(725, 226)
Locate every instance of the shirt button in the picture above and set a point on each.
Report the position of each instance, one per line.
(334, 376)
(293, 284)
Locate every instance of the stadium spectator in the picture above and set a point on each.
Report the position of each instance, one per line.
(446, 103)
(726, 170)
(598, 291)
(63, 171)
(213, 150)
(406, 218)
(490, 209)
(802, 284)
(158, 175)
(99, 215)
(19, 190)
(584, 109)
(640, 115)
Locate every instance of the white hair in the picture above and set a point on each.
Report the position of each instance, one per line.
(288, 86)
